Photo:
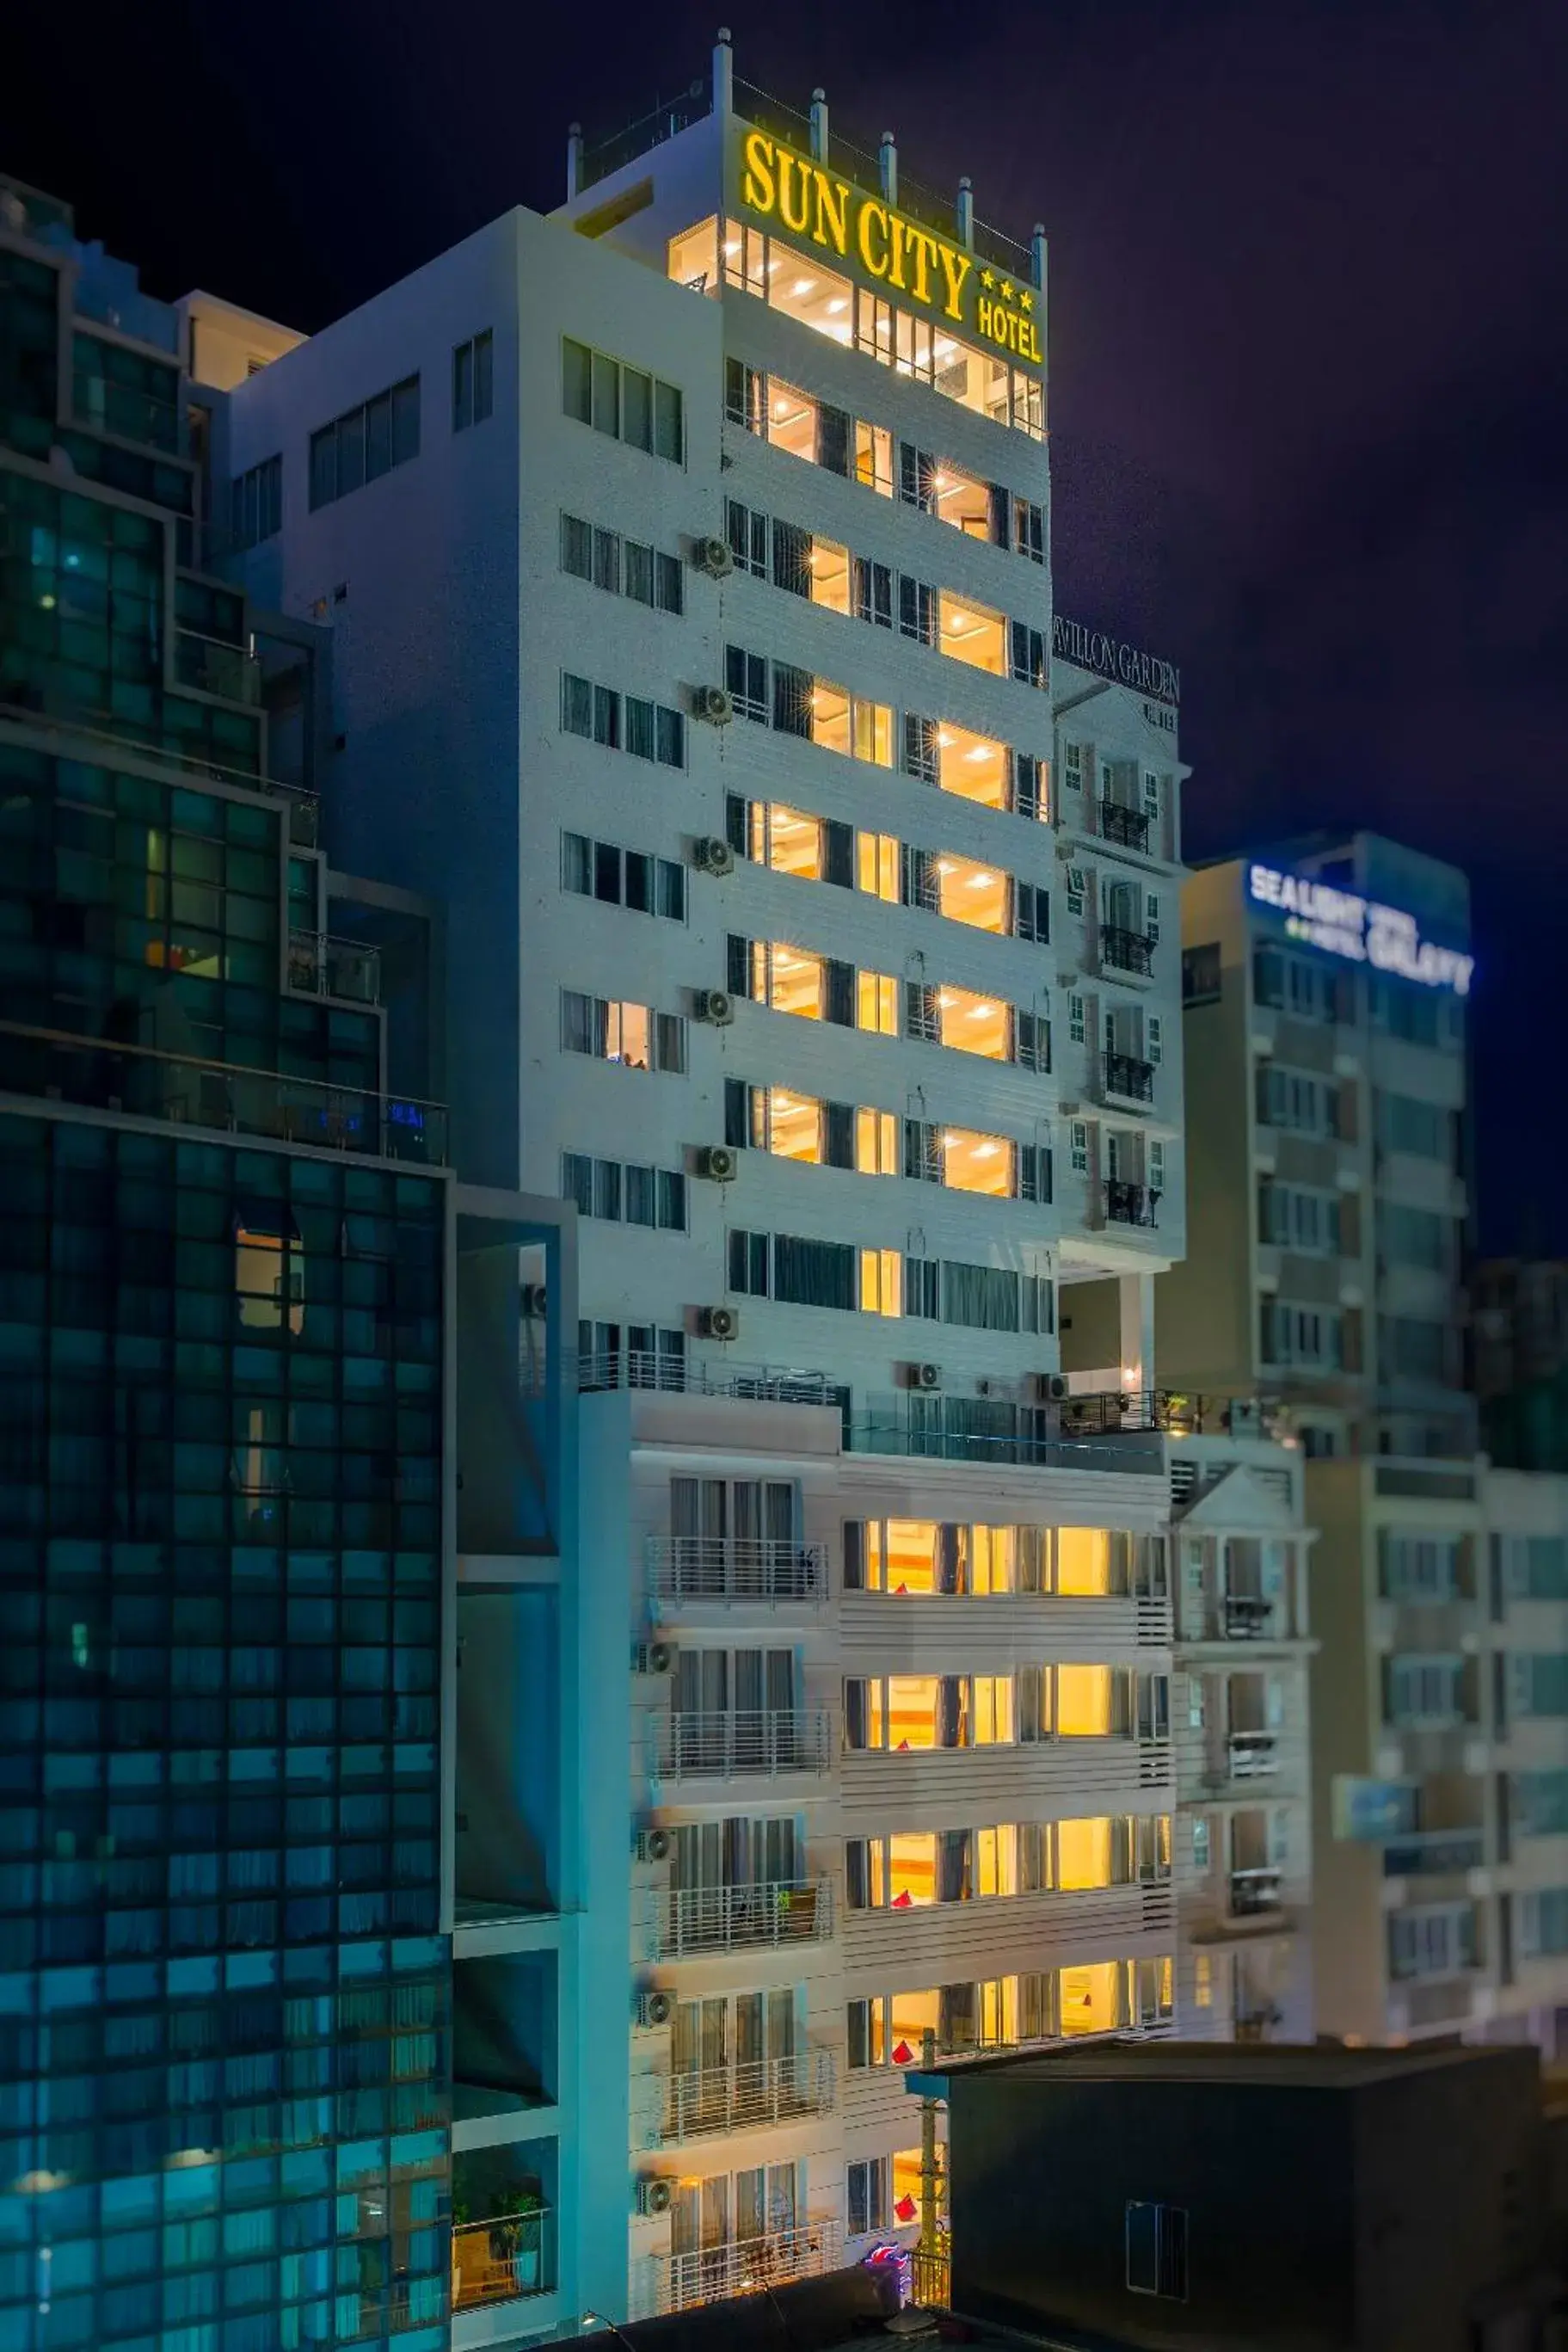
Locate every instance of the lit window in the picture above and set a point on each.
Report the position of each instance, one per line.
(1083, 1560)
(911, 2015)
(876, 1003)
(970, 893)
(876, 856)
(787, 840)
(1083, 1853)
(792, 420)
(817, 298)
(877, 1142)
(1092, 1997)
(911, 1868)
(973, 766)
(829, 566)
(882, 1284)
(794, 1126)
(901, 1556)
(693, 259)
(629, 1041)
(1083, 1702)
(906, 2188)
(963, 502)
(975, 1024)
(993, 1710)
(971, 634)
(874, 458)
(996, 1862)
(977, 1163)
(1203, 1981)
(791, 980)
(269, 1276)
(847, 723)
(991, 1558)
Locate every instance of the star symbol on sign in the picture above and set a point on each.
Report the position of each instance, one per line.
(1026, 301)
(988, 279)
(1007, 290)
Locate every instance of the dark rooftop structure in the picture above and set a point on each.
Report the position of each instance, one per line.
(1251, 2198)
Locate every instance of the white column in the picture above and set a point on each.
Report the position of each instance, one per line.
(889, 157)
(820, 125)
(1135, 1297)
(723, 74)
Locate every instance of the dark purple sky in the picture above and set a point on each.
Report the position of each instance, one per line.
(1308, 344)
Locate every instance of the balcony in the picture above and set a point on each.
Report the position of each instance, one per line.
(1252, 1755)
(112, 1075)
(1247, 1616)
(320, 966)
(744, 2266)
(736, 1569)
(1433, 1853)
(1130, 1204)
(1125, 951)
(1129, 827)
(500, 2261)
(751, 1744)
(1131, 1079)
(687, 1920)
(634, 1368)
(1254, 1893)
(765, 2092)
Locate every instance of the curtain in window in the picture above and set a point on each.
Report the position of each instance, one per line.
(949, 1578)
(957, 2018)
(832, 438)
(1029, 1702)
(791, 699)
(792, 559)
(953, 1726)
(953, 1881)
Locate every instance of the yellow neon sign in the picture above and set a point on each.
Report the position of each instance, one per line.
(812, 203)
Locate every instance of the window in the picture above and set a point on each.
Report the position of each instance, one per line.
(641, 1196)
(621, 567)
(1537, 1683)
(775, 694)
(635, 1035)
(1435, 1940)
(1404, 1123)
(1294, 984)
(1293, 1218)
(1299, 1335)
(1156, 2249)
(365, 443)
(969, 632)
(471, 382)
(1537, 1803)
(1533, 1567)
(960, 1018)
(1294, 1100)
(1543, 1923)
(881, 1282)
(1424, 1690)
(622, 877)
(649, 730)
(793, 1270)
(1418, 1568)
(1414, 1349)
(1200, 975)
(867, 2195)
(255, 504)
(623, 402)
(1417, 1237)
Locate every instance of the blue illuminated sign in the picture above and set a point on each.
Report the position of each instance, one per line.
(1340, 924)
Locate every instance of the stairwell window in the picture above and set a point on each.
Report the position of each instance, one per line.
(624, 402)
(472, 381)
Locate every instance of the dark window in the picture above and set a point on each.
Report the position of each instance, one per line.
(1200, 973)
(577, 547)
(256, 503)
(365, 443)
(1156, 2249)
(1028, 656)
(471, 382)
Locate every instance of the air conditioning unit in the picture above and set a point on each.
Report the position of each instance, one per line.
(1050, 1388)
(655, 2195)
(715, 1005)
(654, 1658)
(718, 1162)
(715, 556)
(655, 2008)
(535, 1301)
(713, 703)
(719, 1322)
(652, 1845)
(924, 1376)
(712, 854)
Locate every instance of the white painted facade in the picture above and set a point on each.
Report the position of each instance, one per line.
(455, 629)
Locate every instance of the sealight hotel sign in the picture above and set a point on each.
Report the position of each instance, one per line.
(1342, 924)
(910, 263)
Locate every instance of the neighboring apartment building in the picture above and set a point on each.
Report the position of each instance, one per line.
(1441, 1723)
(251, 1329)
(1519, 1311)
(685, 561)
(1239, 1571)
(1324, 985)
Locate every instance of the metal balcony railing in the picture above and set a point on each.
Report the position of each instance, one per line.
(213, 666)
(742, 2097)
(1129, 1205)
(1252, 1754)
(750, 1743)
(1247, 1616)
(636, 1368)
(1253, 1891)
(735, 1568)
(1125, 950)
(1432, 1852)
(496, 2261)
(690, 1919)
(1130, 827)
(744, 2265)
(1126, 1076)
(111, 1074)
(322, 966)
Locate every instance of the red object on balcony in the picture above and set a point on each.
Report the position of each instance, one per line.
(900, 1902)
(902, 2055)
(905, 2209)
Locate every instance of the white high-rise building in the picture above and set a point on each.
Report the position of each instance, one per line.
(812, 927)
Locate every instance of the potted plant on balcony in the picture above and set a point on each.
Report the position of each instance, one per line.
(511, 2238)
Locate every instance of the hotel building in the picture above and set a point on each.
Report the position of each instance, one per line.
(684, 557)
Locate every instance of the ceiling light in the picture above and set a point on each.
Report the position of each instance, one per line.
(981, 881)
(840, 302)
(732, 245)
(802, 286)
(944, 740)
(985, 1150)
(980, 751)
(946, 865)
(945, 998)
(984, 1011)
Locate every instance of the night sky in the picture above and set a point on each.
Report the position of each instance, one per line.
(1309, 345)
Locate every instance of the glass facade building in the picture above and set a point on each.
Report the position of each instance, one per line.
(225, 1980)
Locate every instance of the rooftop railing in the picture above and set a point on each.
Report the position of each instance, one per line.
(651, 129)
(103, 1074)
(633, 1368)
